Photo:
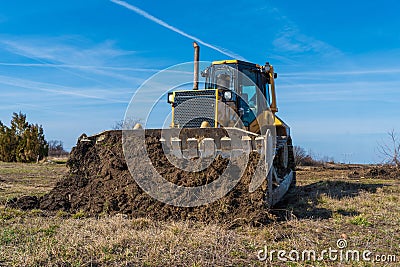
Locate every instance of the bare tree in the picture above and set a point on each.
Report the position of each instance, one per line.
(327, 159)
(56, 149)
(299, 155)
(302, 158)
(390, 150)
(128, 123)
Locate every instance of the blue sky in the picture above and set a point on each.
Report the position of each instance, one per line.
(73, 66)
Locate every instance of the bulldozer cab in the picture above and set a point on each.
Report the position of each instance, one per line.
(245, 84)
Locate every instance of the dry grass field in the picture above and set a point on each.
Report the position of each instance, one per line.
(331, 203)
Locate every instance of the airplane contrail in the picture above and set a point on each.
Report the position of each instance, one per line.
(174, 29)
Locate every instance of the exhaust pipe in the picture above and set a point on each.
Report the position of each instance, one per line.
(196, 66)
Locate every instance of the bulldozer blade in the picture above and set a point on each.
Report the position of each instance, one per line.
(190, 143)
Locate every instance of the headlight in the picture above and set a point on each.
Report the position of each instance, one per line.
(228, 95)
(170, 98)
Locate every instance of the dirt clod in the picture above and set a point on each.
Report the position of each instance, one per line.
(384, 172)
(24, 203)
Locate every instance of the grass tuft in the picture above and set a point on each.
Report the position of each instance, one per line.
(360, 220)
(62, 214)
(79, 215)
(9, 213)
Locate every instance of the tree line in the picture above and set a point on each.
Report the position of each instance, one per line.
(22, 141)
(388, 150)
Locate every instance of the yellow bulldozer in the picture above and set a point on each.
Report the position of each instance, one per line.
(239, 96)
(231, 120)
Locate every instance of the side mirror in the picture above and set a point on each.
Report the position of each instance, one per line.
(204, 73)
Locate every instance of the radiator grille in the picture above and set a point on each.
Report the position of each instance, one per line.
(194, 107)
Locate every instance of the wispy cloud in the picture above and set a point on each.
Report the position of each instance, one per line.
(174, 29)
(290, 39)
(354, 72)
(83, 67)
(59, 90)
(75, 60)
(346, 91)
(59, 50)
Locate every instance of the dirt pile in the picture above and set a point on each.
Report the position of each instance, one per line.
(99, 182)
(384, 172)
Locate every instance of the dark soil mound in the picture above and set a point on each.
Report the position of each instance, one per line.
(24, 203)
(385, 171)
(99, 181)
